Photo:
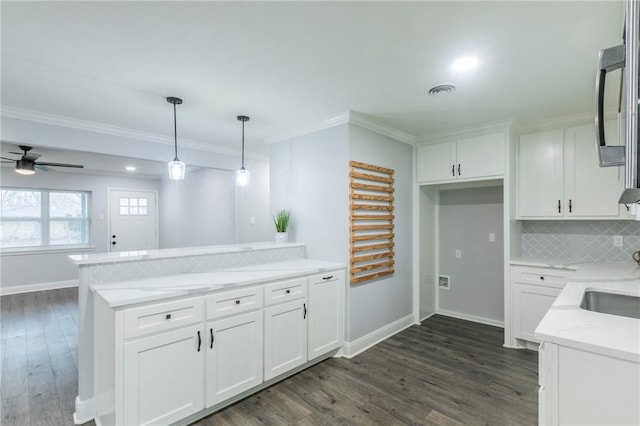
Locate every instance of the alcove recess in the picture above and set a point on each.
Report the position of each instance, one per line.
(371, 195)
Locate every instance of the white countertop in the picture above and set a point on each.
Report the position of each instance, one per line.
(125, 293)
(545, 263)
(567, 324)
(93, 258)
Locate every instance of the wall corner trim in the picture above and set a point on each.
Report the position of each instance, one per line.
(348, 117)
(351, 349)
(28, 288)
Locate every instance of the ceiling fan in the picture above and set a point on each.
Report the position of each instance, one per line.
(27, 164)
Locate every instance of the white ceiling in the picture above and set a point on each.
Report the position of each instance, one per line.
(292, 64)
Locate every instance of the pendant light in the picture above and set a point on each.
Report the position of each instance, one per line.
(176, 167)
(242, 175)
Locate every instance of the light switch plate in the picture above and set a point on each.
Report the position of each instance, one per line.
(492, 237)
(458, 254)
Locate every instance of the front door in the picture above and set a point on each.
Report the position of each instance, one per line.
(133, 220)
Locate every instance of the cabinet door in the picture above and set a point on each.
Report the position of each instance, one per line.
(530, 304)
(325, 313)
(285, 337)
(234, 356)
(540, 181)
(437, 162)
(163, 377)
(480, 156)
(591, 190)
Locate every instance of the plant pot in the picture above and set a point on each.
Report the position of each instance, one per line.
(282, 237)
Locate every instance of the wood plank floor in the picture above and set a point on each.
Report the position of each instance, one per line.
(444, 372)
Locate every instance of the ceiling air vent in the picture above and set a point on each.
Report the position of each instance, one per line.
(441, 89)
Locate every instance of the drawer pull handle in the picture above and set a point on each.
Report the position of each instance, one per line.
(288, 291)
(237, 302)
(327, 278)
(304, 305)
(542, 278)
(168, 316)
(453, 170)
(212, 338)
(199, 341)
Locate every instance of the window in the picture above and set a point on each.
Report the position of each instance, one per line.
(133, 206)
(38, 218)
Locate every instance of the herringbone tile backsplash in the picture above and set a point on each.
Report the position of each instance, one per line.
(580, 240)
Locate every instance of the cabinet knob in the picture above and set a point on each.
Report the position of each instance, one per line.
(237, 302)
(288, 291)
(542, 278)
(168, 316)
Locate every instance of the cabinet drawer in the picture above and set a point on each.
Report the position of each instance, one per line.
(547, 277)
(233, 302)
(284, 291)
(162, 316)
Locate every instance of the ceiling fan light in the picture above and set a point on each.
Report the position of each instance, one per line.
(176, 169)
(242, 177)
(25, 167)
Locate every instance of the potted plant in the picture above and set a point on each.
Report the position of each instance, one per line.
(282, 220)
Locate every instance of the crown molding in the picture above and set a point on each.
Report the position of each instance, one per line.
(110, 130)
(492, 127)
(348, 117)
(560, 122)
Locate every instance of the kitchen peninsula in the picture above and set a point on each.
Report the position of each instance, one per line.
(172, 335)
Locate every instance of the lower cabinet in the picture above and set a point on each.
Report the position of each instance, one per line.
(285, 337)
(579, 387)
(161, 362)
(234, 356)
(163, 377)
(533, 291)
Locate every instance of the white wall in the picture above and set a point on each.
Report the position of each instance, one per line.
(428, 203)
(45, 268)
(466, 217)
(252, 201)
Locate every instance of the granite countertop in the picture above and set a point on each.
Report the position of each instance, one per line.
(569, 325)
(124, 293)
(94, 258)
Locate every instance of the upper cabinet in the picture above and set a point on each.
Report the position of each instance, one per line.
(559, 176)
(473, 158)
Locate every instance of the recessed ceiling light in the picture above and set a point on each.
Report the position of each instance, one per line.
(465, 64)
(130, 168)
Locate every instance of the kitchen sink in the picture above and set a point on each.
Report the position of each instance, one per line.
(611, 303)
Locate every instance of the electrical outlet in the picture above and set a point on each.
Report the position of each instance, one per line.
(458, 254)
(492, 237)
(618, 241)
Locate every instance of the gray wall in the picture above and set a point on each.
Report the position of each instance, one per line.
(51, 267)
(377, 303)
(466, 217)
(310, 176)
(580, 240)
(198, 211)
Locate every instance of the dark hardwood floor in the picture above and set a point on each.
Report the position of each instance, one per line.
(444, 372)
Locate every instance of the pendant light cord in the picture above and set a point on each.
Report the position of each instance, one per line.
(243, 143)
(175, 132)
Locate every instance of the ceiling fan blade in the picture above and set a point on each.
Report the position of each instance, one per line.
(16, 153)
(8, 162)
(43, 168)
(10, 159)
(31, 156)
(76, 166)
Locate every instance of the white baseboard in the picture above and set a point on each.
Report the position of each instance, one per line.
(84, 411)
(351, 349)
(473, 318)
(28, 288)
(428, 316)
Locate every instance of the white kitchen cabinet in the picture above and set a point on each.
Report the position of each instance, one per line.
(285, 337)
(579, 387)
(234, 356)
(559, 177)
(472, 158)
(162, 377)
(325, 313)
(533, 291)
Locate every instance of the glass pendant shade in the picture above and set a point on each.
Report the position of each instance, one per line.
(176, 169)
(242, 177)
